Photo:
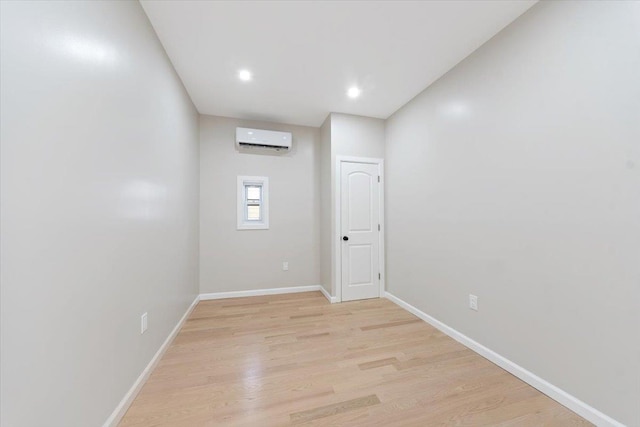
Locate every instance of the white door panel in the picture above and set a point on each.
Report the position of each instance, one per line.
(360, 216)
(359, 212)
(360, 256)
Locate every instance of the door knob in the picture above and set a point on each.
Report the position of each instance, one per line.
(345, 238)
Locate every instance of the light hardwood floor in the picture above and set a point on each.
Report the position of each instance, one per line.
(297, 360)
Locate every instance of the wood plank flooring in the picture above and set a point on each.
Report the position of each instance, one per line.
(297, 360)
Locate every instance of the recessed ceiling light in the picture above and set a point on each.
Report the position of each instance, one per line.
(244, 75)
(353, 92)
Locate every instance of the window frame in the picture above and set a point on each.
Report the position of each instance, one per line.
(242, 222)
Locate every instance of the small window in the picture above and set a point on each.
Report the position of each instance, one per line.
(253, 203)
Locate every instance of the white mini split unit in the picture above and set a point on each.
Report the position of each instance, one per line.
(268, 139)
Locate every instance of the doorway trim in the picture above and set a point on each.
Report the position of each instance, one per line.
(337, 223)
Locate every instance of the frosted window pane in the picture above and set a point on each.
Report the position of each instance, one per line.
(253, 192)
(253, 212)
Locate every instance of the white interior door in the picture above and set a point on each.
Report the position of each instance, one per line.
(360, 220)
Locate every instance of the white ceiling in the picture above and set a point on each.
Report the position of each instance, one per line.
(304, 55)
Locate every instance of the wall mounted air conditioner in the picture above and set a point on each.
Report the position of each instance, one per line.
(258, 138)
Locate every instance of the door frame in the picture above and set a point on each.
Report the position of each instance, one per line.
(338, 220)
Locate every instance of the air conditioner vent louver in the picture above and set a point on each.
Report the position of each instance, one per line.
(257, 145)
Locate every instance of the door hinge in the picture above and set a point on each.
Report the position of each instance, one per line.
(379, 277)
(378, 227)
(378, 178)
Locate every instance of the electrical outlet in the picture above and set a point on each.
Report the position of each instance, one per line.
(285, 266)
(473, 302)
(143, 323)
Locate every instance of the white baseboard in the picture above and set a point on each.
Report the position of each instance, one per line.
(122, 408)
(576, 405)
(328, 296)
(259, 292)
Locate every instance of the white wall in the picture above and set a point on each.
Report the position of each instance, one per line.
(516, 177)
(99, 207)
(235, 260)
(326, 214)
(356, 136)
